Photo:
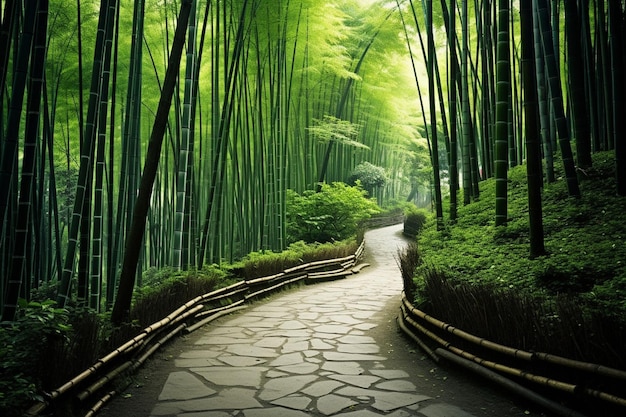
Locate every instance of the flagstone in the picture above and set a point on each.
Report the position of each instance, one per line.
(344, 368)
(271, 342)
(229, 376)
(320, 388)
(296, 402)
(274, 412)
(339, 356)
(288, 359)
(300, 368)
(363, 381)
(281, 387)
(397, 385)
(234, 360)
(358, 348)
(254, 351)
(390, 373)
(351, 339)
(184, 386)
(331, 404)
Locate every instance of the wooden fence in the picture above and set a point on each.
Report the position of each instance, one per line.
(97, 380)
(575, 381)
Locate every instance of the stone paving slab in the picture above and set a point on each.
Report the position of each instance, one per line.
(303, 353)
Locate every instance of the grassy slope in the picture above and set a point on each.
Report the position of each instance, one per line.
(585, 239)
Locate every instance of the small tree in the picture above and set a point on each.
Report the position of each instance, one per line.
(333, 213)
(370, 176)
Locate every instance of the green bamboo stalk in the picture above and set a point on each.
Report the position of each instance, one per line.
(531, 129)
(433, 114)
(576, 84)
(503, 74)
(22, 266)
(8, 164)
(213, 212)
(121, 309)
(556, 99)
(452, 100)
(543, 107)
(105, 25)
(465, 106)
(181, 254)
(616, 40)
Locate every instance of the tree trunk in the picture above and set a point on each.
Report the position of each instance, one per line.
(531, 128)
(105, 28)
(576, 83)
(616, 19)
(556, 98)
(430, 65)
(22, 266)
(121, 309)
(452, 99)
(503, 75)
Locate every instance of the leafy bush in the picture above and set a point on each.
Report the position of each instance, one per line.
(26, 346)
(332, 214)
(414, 220)
(370, 176)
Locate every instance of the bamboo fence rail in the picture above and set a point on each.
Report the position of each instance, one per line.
(541, 371)
(100, 377)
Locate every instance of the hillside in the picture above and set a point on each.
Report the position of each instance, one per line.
(571, 301)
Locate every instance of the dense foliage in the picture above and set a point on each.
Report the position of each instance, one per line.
(27, 348)
(331, 214)
(370, 176)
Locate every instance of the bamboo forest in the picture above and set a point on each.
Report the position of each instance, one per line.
(142, 139)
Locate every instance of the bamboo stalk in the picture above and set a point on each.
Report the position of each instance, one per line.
(508, 384)
(417, 340)
(327, 276)
(274, 287)
(98, 405)
(86, 393)
(138, 362)
(582, 366)
(130, 345)
(215, 316)
(221, 291)
(219, 309)
(546, 357)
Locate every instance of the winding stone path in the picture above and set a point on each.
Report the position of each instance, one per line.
(328, 349)
(303, 353)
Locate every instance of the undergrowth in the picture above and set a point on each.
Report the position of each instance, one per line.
(572, 301)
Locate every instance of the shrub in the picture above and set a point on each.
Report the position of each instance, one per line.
(264, 263)
(167, 289)
(332, 214)
(414, 220)
(370, 176)
(27, 347)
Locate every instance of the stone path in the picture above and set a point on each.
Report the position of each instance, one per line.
(303, 353)
(329, 349)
